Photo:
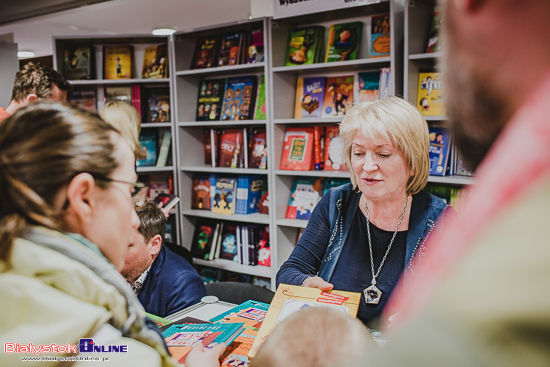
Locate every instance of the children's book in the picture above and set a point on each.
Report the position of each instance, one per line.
(259, 112)
(434, 44)
(256, 47)
(200, 194)
(164, 149)
(206, 52)
(310, 94)
(249, 191)
(148, 142)
(304, 45)
(232, 148)
(290, 298)
(224, 197)
(230, 48)
(155, 62)
(239, 98)
(304, 196)
(118, 61)
(180, 338)
(158, 105)
(334, 150)
(203, 238)
(229, 244)
(264, 201)
(84, 98)
(318, 147)
(79, 63)
(343, 41)
(368, 85)
(338, 95)
(440, 141)
(430, 94)
(257, 148)
(297, 149)
(210, 99)
(380, 42)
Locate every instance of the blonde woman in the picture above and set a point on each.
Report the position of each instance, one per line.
(125, 119)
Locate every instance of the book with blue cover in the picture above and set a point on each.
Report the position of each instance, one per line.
(239, 98)
(148, 142)
(440, 141)
(249, 191)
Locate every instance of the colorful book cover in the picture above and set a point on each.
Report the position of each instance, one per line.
(343, 41)
(84, 98)
(260, 113)
(304, 196)
(206, 52)
(148, 142)
(440, 141)
(264, 201)
(158, 105)
(258, 148)
(239, 97)
(180, 338)
(303, 46)
(338, 95)
(434, 41)
(229, 244)
(310, 94)
(290, 298)
(118, 61)
(224, 195)
(334, 150)
(380, 42)
(430, 94)
(203, 238)
(210, 99)
(256, 48)
(155, 62)
(297, 149)
(230, 49)
(200, 192)
(249, 192)
(368, 85)
(231, 148)
(79, 62)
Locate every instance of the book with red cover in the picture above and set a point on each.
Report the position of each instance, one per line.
(338, 95)
(206, 52)
(334, 145)
(258, 148)
(297, 149)
(200, 195)
(231, 148)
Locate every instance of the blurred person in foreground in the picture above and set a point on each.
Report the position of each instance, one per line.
(66, 220)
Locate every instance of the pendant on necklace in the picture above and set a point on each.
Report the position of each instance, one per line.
(372, 295)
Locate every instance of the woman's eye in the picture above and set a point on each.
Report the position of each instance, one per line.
(384, 155)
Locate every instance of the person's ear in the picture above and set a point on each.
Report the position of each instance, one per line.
(155, 244)
(80, 197)
(31, 98)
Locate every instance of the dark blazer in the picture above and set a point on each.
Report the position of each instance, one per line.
(171, 285)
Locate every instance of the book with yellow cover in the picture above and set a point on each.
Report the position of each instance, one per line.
(291, 298)
(118, 61)
(430, 94)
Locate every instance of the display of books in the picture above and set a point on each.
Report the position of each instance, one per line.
(310, 94)
(380, 42)
(239, 98)
(304, 196)
(434, 41)
(84, 98)
(290, 298)
(155, 62)
(224, 195)
(79, 62)
(304, 45)
(343, 41)
(118, 61)
(206, 52)
(334, 150)
(338, 95)
(440, 141)
(210, 99)
(158, 105)
(430, 94)
(297, 149)
(368, 86)
(148, 142)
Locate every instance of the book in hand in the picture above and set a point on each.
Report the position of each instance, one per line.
(210, 99)
(204, 237)
(338, 95)
(291, 298)
(84, 98)
(155, 62)
(440, 141)
(168, 201)
(368, 86)
(310, 94)
(334, 150)
(430, 94)
(224, 195)
(297, 149)
(304, 196)
(380, 42)
(304, 45)
(231, 48)
(164, 149)
(118, 61)
(148, 142)
(343, 41)
(158, 105)
(258, 148)
(434, 41)
(206, 52)
(200, 193)
(239, 98)
(79, 61)
(180, 338)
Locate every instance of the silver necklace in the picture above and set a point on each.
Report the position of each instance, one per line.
(372, 293)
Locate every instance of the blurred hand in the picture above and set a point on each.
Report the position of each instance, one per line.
(318, 282)
(200, 356)
(166, 212)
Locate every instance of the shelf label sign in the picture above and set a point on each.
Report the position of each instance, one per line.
(290, 8)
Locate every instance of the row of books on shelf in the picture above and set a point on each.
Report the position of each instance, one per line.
(229, 194)
(234, 47)
(156, 150)
(306, 193)
(444, 157)
(331, 96)
(236, 148)
(244, 244)
(118, 61)
(152, 104)
(235, 98)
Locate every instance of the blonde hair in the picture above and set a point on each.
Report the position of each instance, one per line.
(125, 119)
(401, 124)
(313, 337)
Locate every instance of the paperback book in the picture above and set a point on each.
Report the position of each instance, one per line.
(343, 41)
(368, 85)
(210, 99)
(231, 148)
(380, 43)
(118, 61)
(79, 62)
(203, 238)
(304, 45)
(200, 192)
(440, 141)
(148, 142)
(297, 149)
(231, 48)
(334, 150)
(155, 62)
(239, 97)
(256, 47)
(430, 94)
(310, 94)
(338, 95)
(224, 195)
(206, 52)
(257, 148)
(304, 196)
(229, 245)
(249, 191)
(158, 105)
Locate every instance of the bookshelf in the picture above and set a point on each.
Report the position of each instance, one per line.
(98, 84)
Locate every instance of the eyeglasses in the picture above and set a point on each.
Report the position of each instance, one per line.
(136, 186)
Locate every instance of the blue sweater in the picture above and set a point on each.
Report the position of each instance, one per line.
(171, 285)
(348, 266)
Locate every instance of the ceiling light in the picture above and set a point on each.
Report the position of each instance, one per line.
(163, 31)
(25, 54)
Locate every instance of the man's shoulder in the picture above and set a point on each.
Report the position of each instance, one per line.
(168, 259)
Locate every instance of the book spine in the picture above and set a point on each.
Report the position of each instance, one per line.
(164, 149)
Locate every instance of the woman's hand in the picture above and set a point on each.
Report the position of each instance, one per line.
(200, 356)
(317, 282)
